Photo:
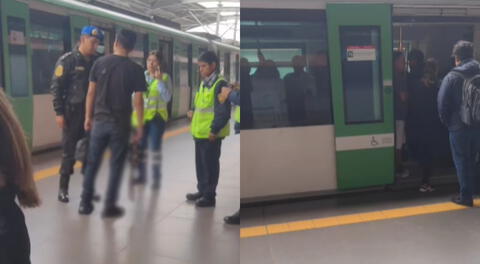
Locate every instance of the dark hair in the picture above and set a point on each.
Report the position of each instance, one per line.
(15, 158)
(396, 55)
(463, 50)
(209, 57)
(159, 56)
(127, 39)
(416, 55)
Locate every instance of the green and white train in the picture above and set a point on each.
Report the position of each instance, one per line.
(34, 34)
(332, 128)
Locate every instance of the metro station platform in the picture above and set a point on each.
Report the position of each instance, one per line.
(400, 226)
(158, 226)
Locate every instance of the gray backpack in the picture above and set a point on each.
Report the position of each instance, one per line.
(470, 107)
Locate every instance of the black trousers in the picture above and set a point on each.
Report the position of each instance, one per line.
(14, 239)
(72, 133)
(207, 161)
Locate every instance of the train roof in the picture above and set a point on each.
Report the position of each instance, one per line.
(95, 10)
(320, 4)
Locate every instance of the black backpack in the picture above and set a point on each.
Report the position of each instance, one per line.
(470, 107)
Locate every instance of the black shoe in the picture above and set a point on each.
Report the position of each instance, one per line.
(85, 208)
(194, 196)
(63, 196)
(96, 198)
(460, 201)
(113, 212)
(205, 202)
(233, 219)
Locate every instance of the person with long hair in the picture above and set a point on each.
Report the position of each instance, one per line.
(16, 181)
(156, 99)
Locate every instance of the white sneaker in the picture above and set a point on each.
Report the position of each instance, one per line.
(403, 174)
(426, 188)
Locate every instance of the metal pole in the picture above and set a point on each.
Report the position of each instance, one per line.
(235, 28)
(218, 17)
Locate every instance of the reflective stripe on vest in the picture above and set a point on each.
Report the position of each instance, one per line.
(237, 114)
(204, 112)
(153, 103)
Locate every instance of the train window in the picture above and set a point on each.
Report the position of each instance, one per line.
(221, 68)
(18, 56)
(138, 52)
(237, 69)
(284, 70)
(362, 78)
(48, 41)
(166, 51)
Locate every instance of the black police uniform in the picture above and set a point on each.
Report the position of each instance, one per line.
(69, 87)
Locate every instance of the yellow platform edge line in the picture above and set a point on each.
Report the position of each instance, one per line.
(49, 172)
(320, 223)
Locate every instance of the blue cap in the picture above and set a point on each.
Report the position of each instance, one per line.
(92, 31)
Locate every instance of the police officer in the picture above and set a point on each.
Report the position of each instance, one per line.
(69, 88)
(209, 126)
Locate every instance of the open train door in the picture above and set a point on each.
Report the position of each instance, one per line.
(360, 52)
(15, 29)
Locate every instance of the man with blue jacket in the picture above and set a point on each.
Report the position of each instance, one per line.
(464, 140)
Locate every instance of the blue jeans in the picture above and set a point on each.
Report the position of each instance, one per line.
(106, 133)
(465, 144)
(152, 140)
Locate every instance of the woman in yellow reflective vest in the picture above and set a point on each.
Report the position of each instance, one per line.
(156, 99)
(209, 127)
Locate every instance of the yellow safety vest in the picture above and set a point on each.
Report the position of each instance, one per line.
(237, 114)
(204, 112)
(153, 103)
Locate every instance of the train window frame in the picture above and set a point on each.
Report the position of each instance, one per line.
(21, 52)
(318, 113)
(341, 31)
(49, 22)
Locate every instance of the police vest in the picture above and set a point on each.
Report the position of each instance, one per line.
(204, 112)
(153, 103)
(237, 114)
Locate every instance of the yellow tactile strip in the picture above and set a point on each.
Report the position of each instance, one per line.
(349, 219)
(42, 174)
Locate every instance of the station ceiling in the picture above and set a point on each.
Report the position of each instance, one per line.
(187, 15)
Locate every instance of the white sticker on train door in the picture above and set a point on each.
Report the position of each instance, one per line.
(361, 53)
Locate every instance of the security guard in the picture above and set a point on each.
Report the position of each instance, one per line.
(69, 88)
(209, 126)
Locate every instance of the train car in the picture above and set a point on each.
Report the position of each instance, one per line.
(35, 33)
(322, 115)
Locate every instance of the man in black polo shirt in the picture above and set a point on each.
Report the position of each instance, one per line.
(113, 79)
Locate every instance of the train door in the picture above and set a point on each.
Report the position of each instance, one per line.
(360, 51)
(226, 65)
(17, 54)
(181, 98)
(106, 46)
(166, 49)
(190, 74)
